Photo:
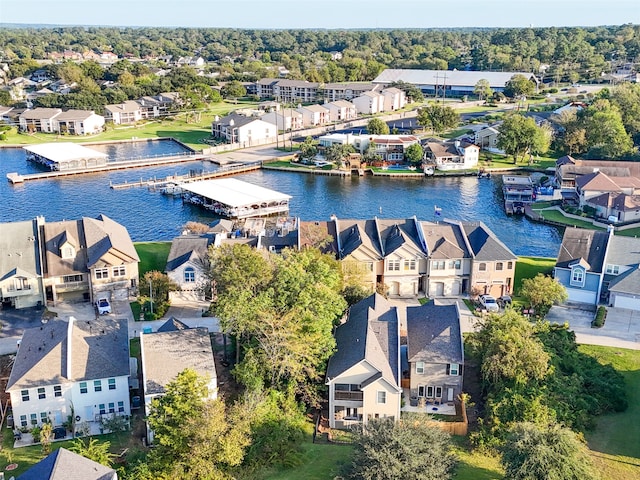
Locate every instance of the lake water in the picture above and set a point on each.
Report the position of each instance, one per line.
(153, 216)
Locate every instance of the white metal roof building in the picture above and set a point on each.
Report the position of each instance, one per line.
(451, 82)
(235, 199)
(65, 156)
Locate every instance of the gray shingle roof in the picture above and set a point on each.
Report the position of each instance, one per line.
(433, 334)
(445, 241)
(370, 333)
(61, 464)
(628, 282)
(396, 233)
(99, 349)
(172, 325)
(55, 235)
(623, 250)
(485, 245)
(357, 233)
(166, 354)
(580, 244)
(104, 236)
(18, 242)
(185, 248)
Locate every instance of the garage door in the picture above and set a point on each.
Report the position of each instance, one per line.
(437, 289)
(621, 301)
(581, 296)
(455, 288)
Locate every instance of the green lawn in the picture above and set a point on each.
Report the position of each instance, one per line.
(615, 443)
(556, 216)
(529, 267)
(153, 256)
(473, 465)
(631, 232)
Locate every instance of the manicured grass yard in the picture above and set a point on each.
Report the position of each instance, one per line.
(615, 443)
(473, 465)
(153, 256)
(556, 216)
(529, 267)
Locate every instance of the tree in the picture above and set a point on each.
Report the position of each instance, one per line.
(606, 135)
(94, 450)
(308, 149)
(520, 136)
(157, 285)
(518, 86)
(534, 452)
(438, 117)
(233, 89)
(337, 152)
(375, 126)
(542, 292)
(46, 434)
(414, 153)
(406, 450)
(412, 93)
(483, 89)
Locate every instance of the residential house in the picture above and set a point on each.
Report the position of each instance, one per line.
(79, 122)
(487, 138)
(363, 375)
(494, 265)
(39, 120)
(618, 205)
(369, 103)
(171, 350)
(580, 263)
(435, 355)
(285, 119)
(314, 115)
(62, 464)
(621, 282)
(394, 99)
(88, 259)
(358, 247)
(389, 148)
(568, 169)
(450, 260)
(186, 264)
(595, 184)
(158, 105)
(332, 92)
(76, 369)
(341, 110)
(243, 130)
(123, 113)
(5, 115)
(295, 91)
(20, 265)
(452, 155)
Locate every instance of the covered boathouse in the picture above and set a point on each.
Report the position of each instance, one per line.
(233, 198)
(65, 156)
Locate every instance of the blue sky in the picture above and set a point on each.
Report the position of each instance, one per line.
(322, 14)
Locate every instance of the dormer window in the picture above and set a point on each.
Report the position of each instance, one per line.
(613, 269)
(68, 251)
(577, 277)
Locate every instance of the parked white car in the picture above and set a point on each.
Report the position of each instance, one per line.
(489, 303)
(103, 306)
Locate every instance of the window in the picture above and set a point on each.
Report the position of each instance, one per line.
(121, 406)
(454, 369)
(21, 283)
(438, 392)
(189, 275)
(57, 391)
(68, 252)
(41, 393)
(455, 264)
(101, 273)
(25, 395)
(71, 278)
(394, 265)
(34, 419)
(420, 367)
(577, 276)
(382, 396)
(509, 265)
(43, 417)
(83, 387)
(613, 269)
(439, 265)
(97, 385)
(429, 392)
(112, 383)
(119, 271)
(482, 267)
(499, 266)
(410, 264)
(421, 390)
(112, 407)
(23, 420)
(102, 409)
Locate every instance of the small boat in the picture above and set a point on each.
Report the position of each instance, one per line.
(428, 170)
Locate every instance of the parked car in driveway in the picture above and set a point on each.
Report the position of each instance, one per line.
(489, 303)
(504, 301)
(103, 306)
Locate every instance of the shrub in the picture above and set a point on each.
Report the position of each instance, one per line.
(600, 318)
(35, 433)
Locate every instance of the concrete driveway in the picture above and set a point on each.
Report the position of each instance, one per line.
(621, 329)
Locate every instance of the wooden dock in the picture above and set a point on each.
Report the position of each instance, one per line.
(14, 177)
(224, 171)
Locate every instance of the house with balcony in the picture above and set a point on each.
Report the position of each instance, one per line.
(363, 375)
(341, 111)
(314, 115)
(264, 87)
(449, 263)
(124, 113)
(88, 259)
(158, 105)
(71, 369)
(580, 264)
(187, 261)
(332, 92)
(390, 148)
(434, 358)
(171, 350)
(243, 130)
(452, 155)
(493, 266)
(78, 122)
(487, 138)
(369, 103)
(39, 120)
(285, 119)
(295, 91)
(20, 266)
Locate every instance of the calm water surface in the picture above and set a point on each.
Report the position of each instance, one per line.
(152, 216)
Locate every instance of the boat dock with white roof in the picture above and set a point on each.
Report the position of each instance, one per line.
(65, 156)
(233, 198)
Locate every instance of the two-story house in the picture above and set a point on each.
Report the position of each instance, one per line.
(123, 113)
(77, 370)
(452, 155)
(344, 91)
(284, 119)
(295, 91)
(243, 130)
(369, 103)
(186, 264)
(394, 99)
(39, 120)
(435, 355)
(314, 115)
(79, 122)
(363, 375)
(341, 110)
(621, 283)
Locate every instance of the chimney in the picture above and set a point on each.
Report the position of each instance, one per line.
(68, 373)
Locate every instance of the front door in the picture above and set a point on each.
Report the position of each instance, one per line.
(88, 413)
(449, 394)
